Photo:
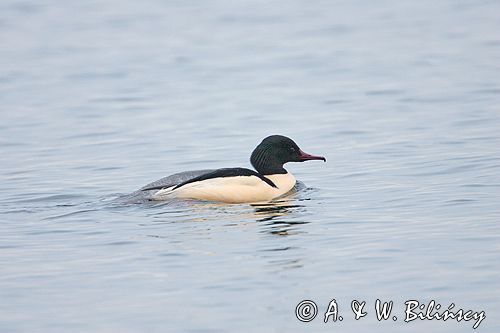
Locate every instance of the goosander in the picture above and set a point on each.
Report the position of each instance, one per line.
(238, 185)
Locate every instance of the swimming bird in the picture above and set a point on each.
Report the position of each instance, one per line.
(238, 185)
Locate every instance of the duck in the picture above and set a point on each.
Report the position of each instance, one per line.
(269, 180)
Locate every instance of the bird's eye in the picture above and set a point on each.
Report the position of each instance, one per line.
(292, 149)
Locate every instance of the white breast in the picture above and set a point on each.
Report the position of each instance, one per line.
(239, 189)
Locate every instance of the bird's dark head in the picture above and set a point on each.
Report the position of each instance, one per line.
(274, 151)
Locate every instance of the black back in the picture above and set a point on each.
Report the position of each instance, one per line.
(227, 172)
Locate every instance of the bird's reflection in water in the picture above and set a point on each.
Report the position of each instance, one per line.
(278, 216)
(281, 216)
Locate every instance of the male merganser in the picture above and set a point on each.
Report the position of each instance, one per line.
(238, 185)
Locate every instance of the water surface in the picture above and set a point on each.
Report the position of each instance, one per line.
(99, 98)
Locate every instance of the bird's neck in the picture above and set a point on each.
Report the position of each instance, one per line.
(271, 170)
(265, 163)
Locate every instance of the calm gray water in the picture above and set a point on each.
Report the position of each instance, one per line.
(98, 98)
